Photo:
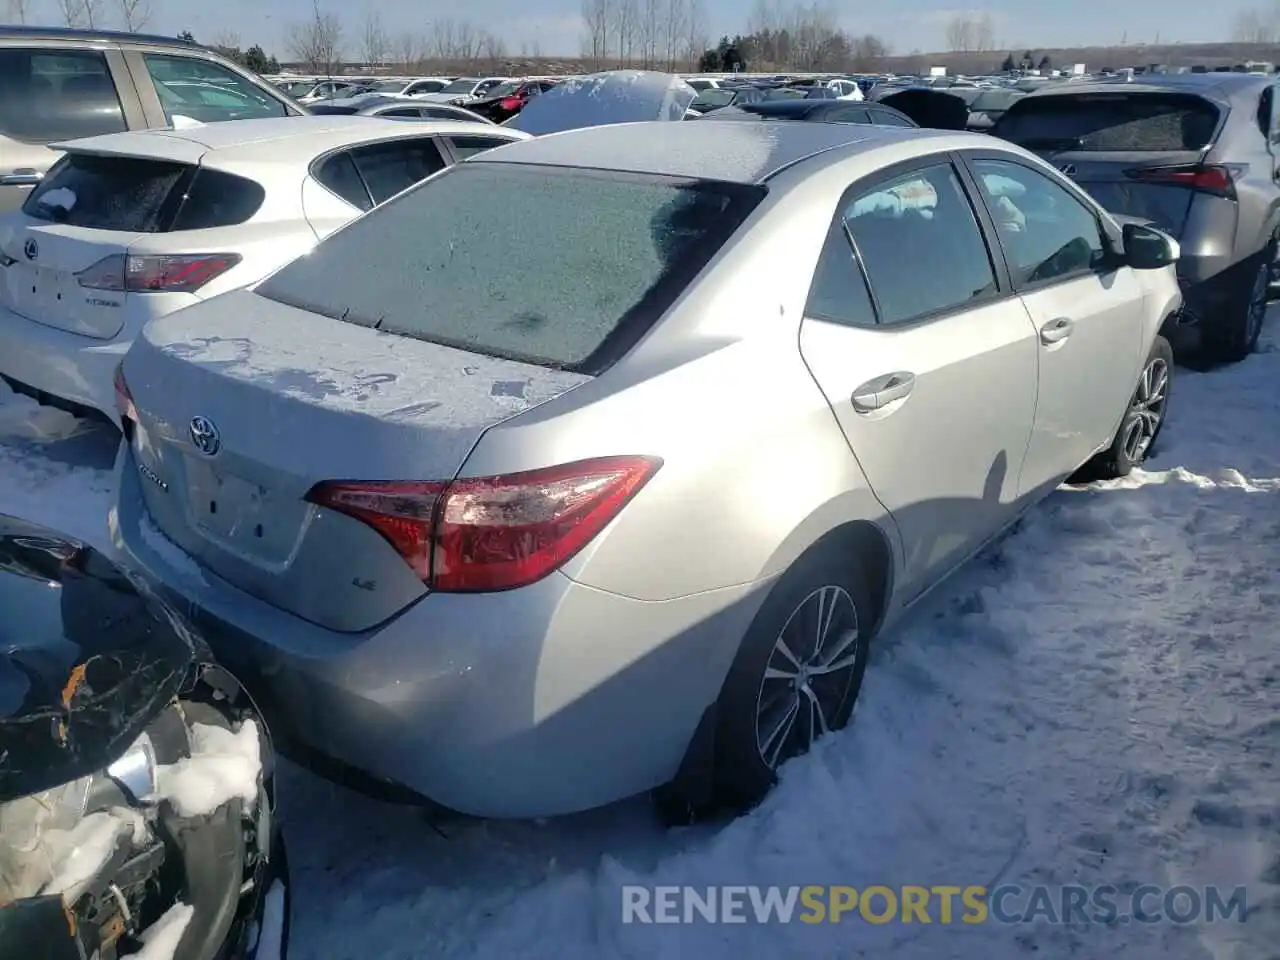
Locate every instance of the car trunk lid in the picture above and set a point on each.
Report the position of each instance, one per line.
(39, 280)
(244, 404)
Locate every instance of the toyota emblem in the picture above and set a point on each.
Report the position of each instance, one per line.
(31, 249)
(204, 436)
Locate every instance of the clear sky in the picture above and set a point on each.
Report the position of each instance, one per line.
(553, 26)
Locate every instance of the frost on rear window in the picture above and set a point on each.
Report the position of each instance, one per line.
(110, 193)
(531, 263)
(1103, 122)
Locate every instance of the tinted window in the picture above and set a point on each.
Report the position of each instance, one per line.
(1110, 121)
(465, 147)
(426, 86)
(556, 266)
(388, 168)
(460, 86)
(1046, 232)
(106, 193)
(887, 118)
(339, 174)
(207, 92)
(839, 291)
(921, 244)
(406, 112)
(217, 199)
(842, 115)
(57, 95)
(328, 109)
(446, 113)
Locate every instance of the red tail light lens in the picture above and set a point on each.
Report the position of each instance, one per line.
(156, 274)
(511, 103)
(1211, 178)
(124, 399)
(493, 533)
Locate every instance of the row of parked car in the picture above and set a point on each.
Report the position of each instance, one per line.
(435, 434)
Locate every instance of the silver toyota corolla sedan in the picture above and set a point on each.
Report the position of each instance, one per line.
(594, 463)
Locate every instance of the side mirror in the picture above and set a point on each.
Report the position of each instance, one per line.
(1146, 248)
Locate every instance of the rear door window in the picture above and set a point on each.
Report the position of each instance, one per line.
(559, 266)
(887, 118)
(464, 147)
(339, 174)
(195, 89)
(1102, 122)
(51, 95)
(108, 193)
(389, 168)
(921, 245)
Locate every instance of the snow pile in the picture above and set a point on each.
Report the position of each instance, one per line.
(223, 766)
(21, 418)
(160, 940)
(618, 96)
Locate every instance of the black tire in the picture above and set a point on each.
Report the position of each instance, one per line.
(1123, 455)
(1236, 333)
(742, 776)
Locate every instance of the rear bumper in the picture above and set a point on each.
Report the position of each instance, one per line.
(546, 700)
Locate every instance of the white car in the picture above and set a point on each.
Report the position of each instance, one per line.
(463, 90)
(132, 226)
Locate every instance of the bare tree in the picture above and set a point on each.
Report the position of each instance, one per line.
(1257, 25)
(93, 11)
(695, 32)
(675, 16)
(135, 14)
(626, 30)
(492, 51)
(227, 40)
(984, 33)
(649, 32)
(409, 51)
(960, 33)
(375, 48)
(595, 25)
(72, 12)
(317, 42)
(466, 40)
(18, 10)
(444, 47)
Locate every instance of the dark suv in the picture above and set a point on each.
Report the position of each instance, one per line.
(1196, 154)
(60, 85)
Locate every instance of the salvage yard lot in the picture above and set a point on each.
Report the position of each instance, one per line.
(1096, 701)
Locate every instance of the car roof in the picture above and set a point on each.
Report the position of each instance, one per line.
(283, 138)
(741, 152)
(1212, 84)
(9, 31)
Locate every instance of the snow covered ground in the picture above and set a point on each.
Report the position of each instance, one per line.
(1097, 702)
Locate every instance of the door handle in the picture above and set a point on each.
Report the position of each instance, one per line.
(882, 391)
(21, 179)
(1055, 331)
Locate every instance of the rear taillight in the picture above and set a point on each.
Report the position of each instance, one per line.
(1217, 179)
(124, 399)
(511, 103)
(492, 533)
(132, 273)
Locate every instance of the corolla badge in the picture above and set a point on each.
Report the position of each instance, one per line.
(31, 249)
(205, 436)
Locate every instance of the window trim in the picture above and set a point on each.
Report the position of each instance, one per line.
(837, 229)
(313, 168)
(447, 140)
(437, 142)
(313, 171)
(995, 255)
(1111, 236)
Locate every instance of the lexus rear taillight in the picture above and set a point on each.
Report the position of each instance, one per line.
(130, 273)
(124, 399)
(492, 533)
(1218, 179)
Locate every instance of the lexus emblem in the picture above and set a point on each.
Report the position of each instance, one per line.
(31, 249)
(1069, 169)
(204, 436)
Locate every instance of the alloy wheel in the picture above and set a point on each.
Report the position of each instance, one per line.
(1147, 410)
(808, 674)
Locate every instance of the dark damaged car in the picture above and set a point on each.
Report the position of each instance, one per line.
(136, 789)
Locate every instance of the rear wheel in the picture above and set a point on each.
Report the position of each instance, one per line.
(1236, 336)
(796, 676)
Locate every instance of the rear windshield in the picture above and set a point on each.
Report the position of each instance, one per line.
(563, 267)
(136, 195)
(1110, 121)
